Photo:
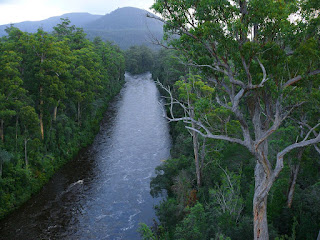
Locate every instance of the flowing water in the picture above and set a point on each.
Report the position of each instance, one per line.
(104, 192)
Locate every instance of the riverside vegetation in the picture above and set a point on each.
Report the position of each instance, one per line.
(242, 86)
(54, 91)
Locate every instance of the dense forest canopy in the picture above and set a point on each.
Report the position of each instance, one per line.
(139, 59)
(54, 91)
(243, 79)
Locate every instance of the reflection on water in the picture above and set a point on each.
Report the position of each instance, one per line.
(104, 193)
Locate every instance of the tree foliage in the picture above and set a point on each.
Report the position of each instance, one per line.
(54, 89)
(261, 60)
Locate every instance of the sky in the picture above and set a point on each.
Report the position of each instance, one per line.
(14, 11)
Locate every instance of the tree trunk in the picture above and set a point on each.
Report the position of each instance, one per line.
(55, 111)
(203, 155)
(17, 124)
(41, 124)
(0, 168)
(196, 152)
(293, 181)
(25, 152)
(255, 32)
(260, 220)
(196, 157)
(79, 114)
(41, 114)
(260, 223)
(293, 178)
(1, 130)
(318, 238)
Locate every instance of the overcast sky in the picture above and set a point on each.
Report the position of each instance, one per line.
(14, 11)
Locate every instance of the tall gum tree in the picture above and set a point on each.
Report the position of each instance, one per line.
(262, 57)
(11, 87)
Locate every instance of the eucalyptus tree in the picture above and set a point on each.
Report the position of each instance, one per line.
(47, 62)
(11, 90)
(30, 123)
(4, 157)
(262, 58)
(86, 84)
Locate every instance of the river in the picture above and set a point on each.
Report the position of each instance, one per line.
(104, 192)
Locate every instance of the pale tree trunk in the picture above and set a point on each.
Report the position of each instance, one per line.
(79, 114)
(262, 175)
(1, 130)
(318, 238)
(25, 152)
(293, 178)
(41, 114)
(196, 151)
(260, 220)
(196, 156)
(203, 155)
(17, 124)
(41, 124)
(55, 111)
(293, 181)
(260, 223)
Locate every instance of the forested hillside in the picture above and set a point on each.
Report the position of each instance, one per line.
(54, 92)
(77, 19)
(242, 85)
(125, 27)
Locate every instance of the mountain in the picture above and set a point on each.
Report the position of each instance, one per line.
(125, 26)
(78, 19)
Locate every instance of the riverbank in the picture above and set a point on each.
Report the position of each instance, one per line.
(104, 192)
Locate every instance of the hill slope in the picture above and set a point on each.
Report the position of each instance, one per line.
(125, 26)
(78, 19)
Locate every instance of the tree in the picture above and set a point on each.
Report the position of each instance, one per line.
(4, 157)
(87, 78)
(11, 89)
(30, 123)
(47, 62)
(139, 59)
(42, 78)
(263, 63)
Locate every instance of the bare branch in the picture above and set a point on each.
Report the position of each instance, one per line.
(264, 79)
(246, 68)
(217, 137)
(311, 130)
(299, 77)
(222, 104)
(280, 155)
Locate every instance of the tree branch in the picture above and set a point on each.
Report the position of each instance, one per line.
(299, 77)
(280, 155)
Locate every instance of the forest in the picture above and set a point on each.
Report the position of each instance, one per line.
(241, 80)
(242, 84)
(55, 88)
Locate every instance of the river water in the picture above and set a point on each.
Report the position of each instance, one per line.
(104, 192)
